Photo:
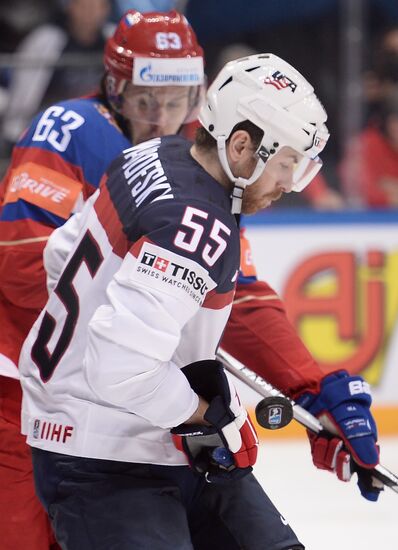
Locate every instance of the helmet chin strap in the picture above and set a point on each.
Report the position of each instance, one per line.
(240, 184)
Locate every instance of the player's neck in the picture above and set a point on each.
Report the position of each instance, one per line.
(209, 161)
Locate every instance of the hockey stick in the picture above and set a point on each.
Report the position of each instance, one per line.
(306, 419)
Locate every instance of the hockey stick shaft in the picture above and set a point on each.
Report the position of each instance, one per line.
(306, 419)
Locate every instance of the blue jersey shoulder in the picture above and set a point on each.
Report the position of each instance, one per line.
(82, 131)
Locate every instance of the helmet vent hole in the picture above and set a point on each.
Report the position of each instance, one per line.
(225, 83)
(252, 69)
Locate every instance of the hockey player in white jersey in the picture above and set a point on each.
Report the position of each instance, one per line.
(124, 407)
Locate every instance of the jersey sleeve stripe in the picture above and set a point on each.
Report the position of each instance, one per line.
(252, 297)
(24, 241)
(110, 221)
(216, 300)
(136, 247)
(23, 231)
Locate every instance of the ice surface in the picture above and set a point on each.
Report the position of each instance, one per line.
(325, 513)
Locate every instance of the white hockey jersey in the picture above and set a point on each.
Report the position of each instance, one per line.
(146, 289)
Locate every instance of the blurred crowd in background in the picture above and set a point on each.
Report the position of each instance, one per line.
(50, 51)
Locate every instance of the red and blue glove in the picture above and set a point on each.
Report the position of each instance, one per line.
(343, 407)
(226, 449)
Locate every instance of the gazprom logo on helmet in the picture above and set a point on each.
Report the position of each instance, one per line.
(168, 72)
(149, 77)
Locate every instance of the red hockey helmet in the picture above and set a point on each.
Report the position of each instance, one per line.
(152, 49)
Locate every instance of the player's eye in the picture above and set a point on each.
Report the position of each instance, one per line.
(143, 104)
(174, 104)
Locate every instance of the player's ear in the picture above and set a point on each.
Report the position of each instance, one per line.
(239, 144)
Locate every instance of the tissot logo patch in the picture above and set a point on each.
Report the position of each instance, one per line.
(172, 273)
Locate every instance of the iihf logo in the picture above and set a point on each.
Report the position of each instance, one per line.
(36, 429)
(275, 416)
(155, 261)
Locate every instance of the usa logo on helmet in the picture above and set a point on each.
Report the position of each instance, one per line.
(280, 81)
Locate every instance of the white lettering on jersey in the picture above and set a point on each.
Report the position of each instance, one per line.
(144, 173)
(59, 140)
(210, 253)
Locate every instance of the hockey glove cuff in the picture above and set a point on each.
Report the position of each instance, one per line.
(227, 448)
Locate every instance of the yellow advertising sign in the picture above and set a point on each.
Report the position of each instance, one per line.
(345, 307)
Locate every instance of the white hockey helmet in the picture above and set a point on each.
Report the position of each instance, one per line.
(275, 97)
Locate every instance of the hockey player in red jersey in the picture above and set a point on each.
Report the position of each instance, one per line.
(129, 417)
(56, 165)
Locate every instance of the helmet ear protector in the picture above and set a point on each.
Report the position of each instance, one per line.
(270, 93)
(154, 49)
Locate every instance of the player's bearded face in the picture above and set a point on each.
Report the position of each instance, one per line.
(276, 179)
(155, 111)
